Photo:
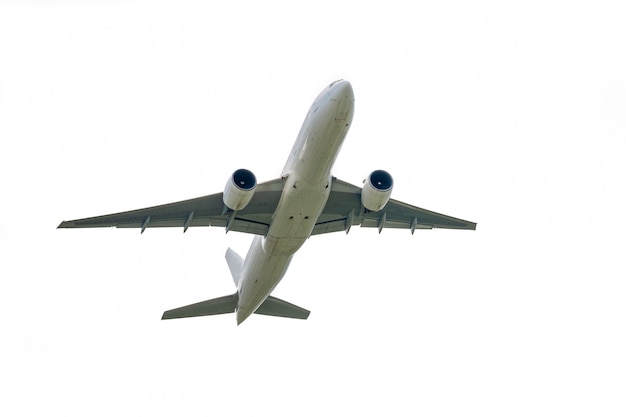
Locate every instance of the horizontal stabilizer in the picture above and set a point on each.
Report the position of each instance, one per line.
(273, 306)
(221, 305)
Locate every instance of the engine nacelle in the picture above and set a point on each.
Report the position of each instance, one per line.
(239, 189)
(376, 190)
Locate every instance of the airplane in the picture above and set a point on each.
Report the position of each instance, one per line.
(283, 213)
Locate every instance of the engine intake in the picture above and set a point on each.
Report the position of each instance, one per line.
(376, 190)
(239, 189)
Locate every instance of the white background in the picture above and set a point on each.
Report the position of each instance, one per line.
(512, 116)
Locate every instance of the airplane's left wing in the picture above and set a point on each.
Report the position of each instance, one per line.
(202, 211)
(344, 209)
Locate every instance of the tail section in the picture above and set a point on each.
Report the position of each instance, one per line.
(272, 306)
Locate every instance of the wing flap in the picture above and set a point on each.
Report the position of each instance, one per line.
(339, 225)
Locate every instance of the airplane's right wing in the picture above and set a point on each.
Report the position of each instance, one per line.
(344, 209)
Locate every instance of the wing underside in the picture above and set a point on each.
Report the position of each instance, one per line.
(202, 211)
(342, 211)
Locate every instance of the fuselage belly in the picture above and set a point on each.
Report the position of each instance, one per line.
(307, 187)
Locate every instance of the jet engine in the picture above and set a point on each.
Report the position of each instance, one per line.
(239, 189)
(376, 190)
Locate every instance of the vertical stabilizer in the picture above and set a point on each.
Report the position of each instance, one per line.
(235, 264)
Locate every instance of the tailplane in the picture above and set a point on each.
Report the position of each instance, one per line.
(272, 306)
(221, 305)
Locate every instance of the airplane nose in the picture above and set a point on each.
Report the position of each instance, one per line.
(342, 89)
(341, 93)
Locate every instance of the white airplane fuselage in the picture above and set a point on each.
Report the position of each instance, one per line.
(307, 187)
